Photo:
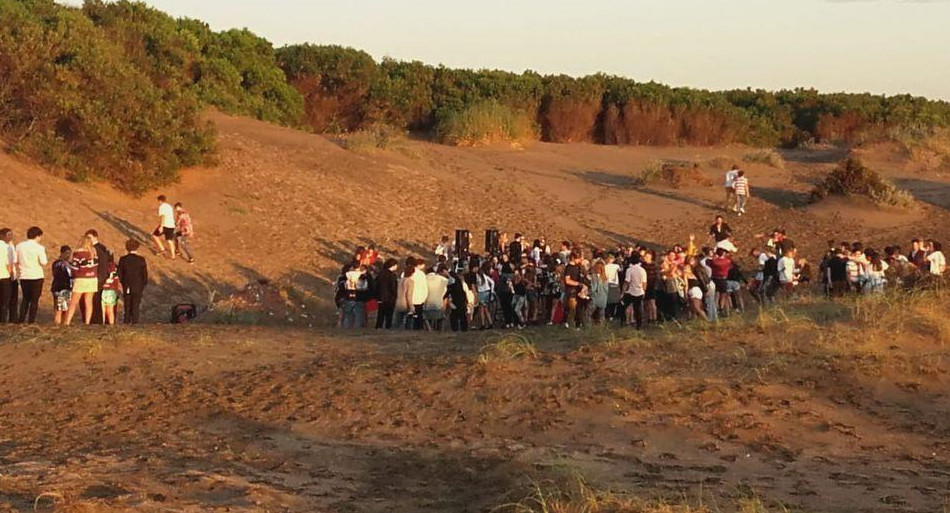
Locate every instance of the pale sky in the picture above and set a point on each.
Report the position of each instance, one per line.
(881, 46)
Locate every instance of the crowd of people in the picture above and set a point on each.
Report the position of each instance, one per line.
(519, 284)
(516, 283)
(86, 279)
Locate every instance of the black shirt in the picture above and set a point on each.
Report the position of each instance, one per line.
(838, 268)
(573, 272)
(721, 233)
(61, 278)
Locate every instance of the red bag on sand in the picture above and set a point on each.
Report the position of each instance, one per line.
(558, 316)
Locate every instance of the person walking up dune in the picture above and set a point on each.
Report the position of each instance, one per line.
(743, 192)
(184, 232)
(165, 231)
(731, 176)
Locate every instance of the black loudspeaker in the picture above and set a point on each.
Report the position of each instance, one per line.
(463, 244)
(491, 241)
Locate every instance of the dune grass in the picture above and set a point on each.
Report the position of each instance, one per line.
(770, 158)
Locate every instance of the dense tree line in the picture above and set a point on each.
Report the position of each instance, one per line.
(114, 91)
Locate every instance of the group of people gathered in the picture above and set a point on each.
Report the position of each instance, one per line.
(518, 284)
(86, 279)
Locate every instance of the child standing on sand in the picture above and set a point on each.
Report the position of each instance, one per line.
(110, 295)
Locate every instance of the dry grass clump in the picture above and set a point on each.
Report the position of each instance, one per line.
(578, 496)
(770, 158)
(510, 347)
(930, 151)
(674, 174)
(376, 137)
(484, 123)
(853, 178)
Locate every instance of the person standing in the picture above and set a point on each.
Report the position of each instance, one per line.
(598, 292)
(165, 231)
(786, 271)
(720, 231)
(85, 267)
(105, 259)
(417, 294)
(62, 285)
(572, 288)
(133, 275)
(458, 293)
(731, 176)
(8, 283)
(31, 259)
(634, 291)
(937, 262)
(110, 295)
(184, 232)
(437, 283)
(387, 288)
(743, 192)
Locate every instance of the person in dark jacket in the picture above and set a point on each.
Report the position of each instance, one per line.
(105, 259)
(387, 289)
(133, 275)
(458, 302)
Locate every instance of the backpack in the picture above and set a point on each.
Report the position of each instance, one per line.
(183, 313)
(770, 269)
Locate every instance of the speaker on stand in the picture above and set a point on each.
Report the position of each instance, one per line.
(491, 241)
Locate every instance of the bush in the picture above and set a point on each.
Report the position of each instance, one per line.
(383, 137)
(852, 177)
(485, 123)
(671, 173)
(73, 101)
(770, 158)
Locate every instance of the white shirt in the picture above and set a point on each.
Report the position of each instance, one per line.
(636, 281)
(613, 274)
(763, 259)
(727, 245)
(436, 285)
(31, 258)
(731, 178)
(484, 283)
(167, 213)
(937, 263)
(7, 258)
(786, 270)
(420, 288)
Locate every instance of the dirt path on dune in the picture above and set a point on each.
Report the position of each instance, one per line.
(206, 419)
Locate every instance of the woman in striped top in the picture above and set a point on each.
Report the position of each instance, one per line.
(85, 268)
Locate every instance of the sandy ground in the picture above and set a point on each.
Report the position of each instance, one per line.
(292, 206)
(815, 416)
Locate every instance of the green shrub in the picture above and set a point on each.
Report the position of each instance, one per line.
(72, 100)
(485, 123)
(852, 178)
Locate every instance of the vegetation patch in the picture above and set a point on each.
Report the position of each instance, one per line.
(769, 157)
(509, 347)
(485, 123)
(377, 137)
(674, 174)
(853, 178)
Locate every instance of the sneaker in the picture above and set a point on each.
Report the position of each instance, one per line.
(567, 326)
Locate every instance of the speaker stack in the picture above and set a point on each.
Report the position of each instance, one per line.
(463, 244)
(491, 241)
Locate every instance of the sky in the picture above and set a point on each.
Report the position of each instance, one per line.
(880, 46)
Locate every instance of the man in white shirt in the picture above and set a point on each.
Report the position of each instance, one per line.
(418, 292)
(938, 263)
(8, 292)
(786, 270)
(31, 259)
(731, 176)
(634, 290)
(165, 231)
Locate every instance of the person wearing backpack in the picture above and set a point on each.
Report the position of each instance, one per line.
(354, 278)
(770, 277)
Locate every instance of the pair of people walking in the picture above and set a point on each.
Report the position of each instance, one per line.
(174, 229)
